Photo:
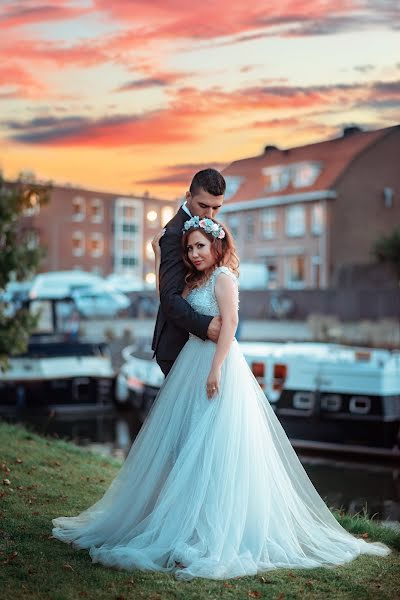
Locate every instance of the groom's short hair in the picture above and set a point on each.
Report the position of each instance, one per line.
(210, 180)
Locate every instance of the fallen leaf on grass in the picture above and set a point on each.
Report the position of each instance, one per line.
(12, 556)
(68, 567)
(18, 460)
(6, 482)
(254, 594)
(365, 535)
(265, 580)
(228, 585)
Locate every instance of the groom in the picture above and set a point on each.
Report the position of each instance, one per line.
(176, 318)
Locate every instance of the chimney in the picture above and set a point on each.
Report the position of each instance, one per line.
(351, 130)
(270, 148)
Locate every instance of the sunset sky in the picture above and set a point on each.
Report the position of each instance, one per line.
(135, 95)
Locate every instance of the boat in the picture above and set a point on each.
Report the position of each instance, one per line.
(329, 398)
(59, 373)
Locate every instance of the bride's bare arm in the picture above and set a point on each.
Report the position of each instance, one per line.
(226, 292)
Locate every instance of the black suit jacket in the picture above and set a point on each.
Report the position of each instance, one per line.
(175, 318)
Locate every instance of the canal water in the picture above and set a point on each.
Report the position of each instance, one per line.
(366, 487)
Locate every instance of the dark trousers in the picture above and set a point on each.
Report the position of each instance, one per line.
(165, 365)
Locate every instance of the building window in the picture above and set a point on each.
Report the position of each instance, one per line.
(128, 213)
(295, 221)
(233, 223)
(129, 227)
(78, 208)
(34, 206)
(152, 218)
(276, 178)
(167, 212)
(388, 195)
(129, 261)
(233, 183)
(295, 275)
(250, 228)
(78, 243)
(305, 174)
(96, 210)
(317, 226)
(268, 223)
(96, 245)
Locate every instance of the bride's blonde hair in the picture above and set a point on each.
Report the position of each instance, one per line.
(223, 251)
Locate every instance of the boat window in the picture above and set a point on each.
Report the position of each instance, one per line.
(360, 404)
(303, 400)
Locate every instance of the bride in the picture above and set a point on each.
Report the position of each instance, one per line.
(212, 486)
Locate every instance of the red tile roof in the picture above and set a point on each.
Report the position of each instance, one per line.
(335, 156)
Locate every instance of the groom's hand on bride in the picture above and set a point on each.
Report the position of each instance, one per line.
(214, 329)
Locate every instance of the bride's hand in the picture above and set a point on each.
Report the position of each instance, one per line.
(155, 243)
(212, 385)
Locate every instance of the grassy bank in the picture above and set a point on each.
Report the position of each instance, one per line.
(41, 479)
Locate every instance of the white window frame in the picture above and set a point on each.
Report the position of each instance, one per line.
(81, 215)
(269, 222)
(295, 227)
(98, 203)
(80, 236)
(98, 236)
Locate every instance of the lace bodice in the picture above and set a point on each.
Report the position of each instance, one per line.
(203, 298)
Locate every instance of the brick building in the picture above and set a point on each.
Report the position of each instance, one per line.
(99, 232)
(307, 212)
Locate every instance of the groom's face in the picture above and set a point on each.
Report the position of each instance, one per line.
(204, 204)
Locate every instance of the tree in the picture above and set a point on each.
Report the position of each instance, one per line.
(19, 259)
(387, 249)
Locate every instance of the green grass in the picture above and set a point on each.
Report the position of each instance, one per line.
(50, 478)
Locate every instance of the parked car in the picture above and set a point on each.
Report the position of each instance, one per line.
(58, 284)
(96, 301)
(126, 283)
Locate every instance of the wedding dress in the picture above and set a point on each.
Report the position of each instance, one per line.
(211, 488)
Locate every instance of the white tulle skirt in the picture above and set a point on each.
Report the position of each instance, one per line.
(214, 485)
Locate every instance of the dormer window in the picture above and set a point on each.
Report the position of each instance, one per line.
(276, 178)
(233, 183)
(305, 174)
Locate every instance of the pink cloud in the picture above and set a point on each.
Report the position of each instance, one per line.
(24, 13)
(22, 84)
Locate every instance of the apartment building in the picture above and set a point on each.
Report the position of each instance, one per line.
(308, 211)
(99, 232)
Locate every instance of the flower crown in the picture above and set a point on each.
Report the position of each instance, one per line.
(207, 224)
